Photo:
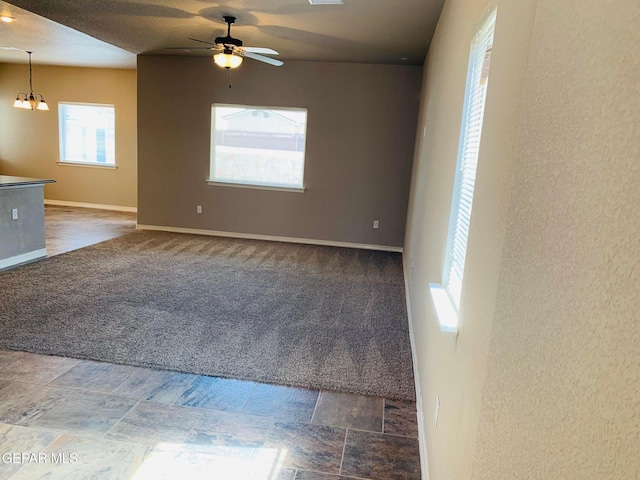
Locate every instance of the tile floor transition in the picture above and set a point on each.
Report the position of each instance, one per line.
(104, 421)
(70, 228)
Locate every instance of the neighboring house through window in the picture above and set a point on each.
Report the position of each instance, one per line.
(87, 134)
(258, 146)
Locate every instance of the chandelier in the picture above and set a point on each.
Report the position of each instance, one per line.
(30, 101)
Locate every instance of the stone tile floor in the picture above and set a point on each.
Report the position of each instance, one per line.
(69, 228)
(91, 420)
(99, 420)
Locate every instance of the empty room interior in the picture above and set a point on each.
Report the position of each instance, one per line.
(319, 239)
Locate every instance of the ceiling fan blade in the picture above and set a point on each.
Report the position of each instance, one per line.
(201, 41)
(261, 50)
(260, 58)
(190, 48)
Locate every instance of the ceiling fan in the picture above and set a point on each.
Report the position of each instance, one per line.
(231, 51)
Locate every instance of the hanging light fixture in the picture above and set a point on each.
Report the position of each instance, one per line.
(227, 59)
(30, 101)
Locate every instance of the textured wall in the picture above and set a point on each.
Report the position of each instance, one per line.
(360, 132)
(562, 394)
(29, 144)
(455, 371)
(543, 381)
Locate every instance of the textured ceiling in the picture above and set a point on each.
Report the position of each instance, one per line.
(55, 44)
(362, 31)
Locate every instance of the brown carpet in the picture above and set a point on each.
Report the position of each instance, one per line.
(303, 315)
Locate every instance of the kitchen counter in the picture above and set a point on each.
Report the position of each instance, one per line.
(11, 181)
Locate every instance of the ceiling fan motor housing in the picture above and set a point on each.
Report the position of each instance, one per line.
(229, 40)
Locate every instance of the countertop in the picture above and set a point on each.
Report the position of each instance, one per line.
(10, 181)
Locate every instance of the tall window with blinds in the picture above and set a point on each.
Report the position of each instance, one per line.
(470, 137)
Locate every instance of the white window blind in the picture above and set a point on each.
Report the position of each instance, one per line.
(470, 136)
(258, 146)
(87, 133)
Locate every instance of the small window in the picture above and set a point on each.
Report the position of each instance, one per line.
(87, 133)
(258, 146)
(470, 137)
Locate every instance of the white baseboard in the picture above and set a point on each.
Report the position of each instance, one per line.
(98, 206)
(23, 258)
(422, 440)
(271, 238)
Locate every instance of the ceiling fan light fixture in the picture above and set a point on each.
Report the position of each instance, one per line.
(227, 60)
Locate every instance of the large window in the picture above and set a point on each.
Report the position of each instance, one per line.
(258, 146)
(470, 136)
(87, 133)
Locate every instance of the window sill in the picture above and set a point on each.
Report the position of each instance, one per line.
(446, 312)
(254, 186)
(86, 164)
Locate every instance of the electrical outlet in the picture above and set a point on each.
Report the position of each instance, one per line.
(199, 209)
(376, 224)
(14, 214)
(437, 412)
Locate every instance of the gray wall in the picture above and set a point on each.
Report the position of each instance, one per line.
(360, 137)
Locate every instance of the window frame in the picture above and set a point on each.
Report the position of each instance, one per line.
(62, 136)
(282, 187)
